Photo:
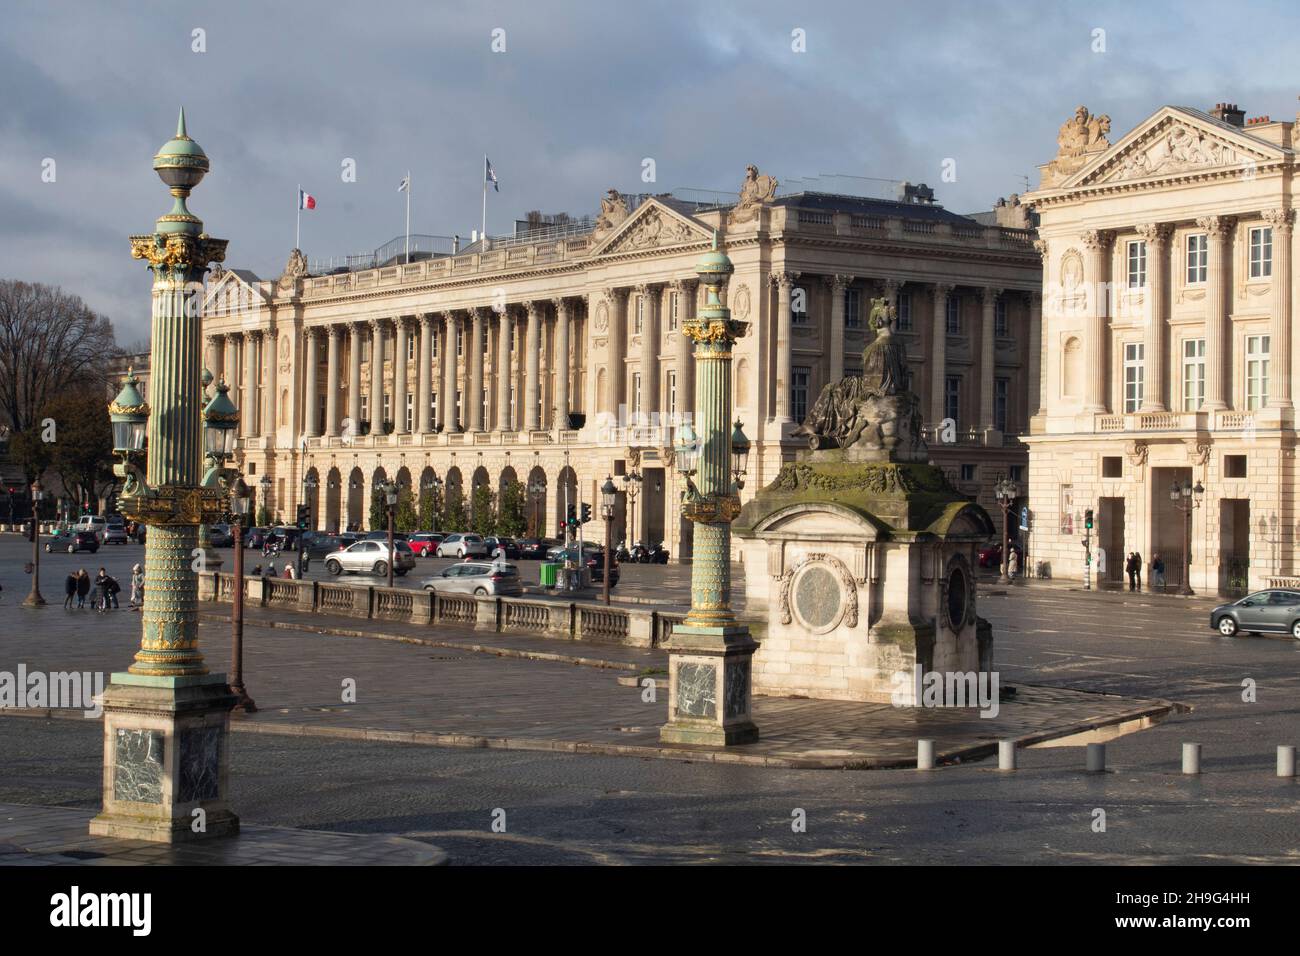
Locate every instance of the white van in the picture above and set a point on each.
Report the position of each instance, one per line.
(95, 523)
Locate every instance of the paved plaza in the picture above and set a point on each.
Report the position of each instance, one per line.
(449, 726)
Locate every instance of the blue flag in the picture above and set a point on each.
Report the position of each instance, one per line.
(490, 175)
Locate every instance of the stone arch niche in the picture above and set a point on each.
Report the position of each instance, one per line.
(333, 500)
(376, 476)
(859, 566)
(356, 496)
(508, 477)
(313, 498)
(1072, 370)
(566, 483)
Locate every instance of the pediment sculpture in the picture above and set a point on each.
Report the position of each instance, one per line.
(613, 213)
(1176, 150)
(295, 268)
(1079, 140)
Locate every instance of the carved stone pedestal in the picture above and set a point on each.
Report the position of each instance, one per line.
(165, 757)
(709, 686)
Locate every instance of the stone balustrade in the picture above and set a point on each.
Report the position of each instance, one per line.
(568, 620)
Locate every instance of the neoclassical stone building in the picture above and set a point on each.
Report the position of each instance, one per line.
(1167, 345)
(553, 358)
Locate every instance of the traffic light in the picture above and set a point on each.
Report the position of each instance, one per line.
(572, 519)
(304, 517)
(586, 513)
(1087, 519)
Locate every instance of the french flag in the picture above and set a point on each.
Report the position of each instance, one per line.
(306, 200)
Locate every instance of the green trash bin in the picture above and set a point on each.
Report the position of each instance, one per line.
(549, 571)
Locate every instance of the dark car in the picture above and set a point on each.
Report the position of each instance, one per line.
(508, 547)
(425, 543)
(77, 541)
(535, 549)
(255, 537)
(383, 536)
(594, 558)
(220, 536)
(1264, 612)
(319, 545)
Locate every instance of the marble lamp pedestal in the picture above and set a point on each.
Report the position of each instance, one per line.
(709, 686)
(165, 759)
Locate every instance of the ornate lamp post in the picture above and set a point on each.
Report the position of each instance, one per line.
(608, 502)
(1006, 491)
(166, 718)
(265, 485)
(309, 486)
(631, 484)
(388, 489)
(240, 500)
(34, 598)
(710, 654)
(220, 428)
(1186, 499)
(537, 492)
(434, 487)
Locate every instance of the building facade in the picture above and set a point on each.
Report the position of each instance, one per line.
(554, 358)
(1167, 348)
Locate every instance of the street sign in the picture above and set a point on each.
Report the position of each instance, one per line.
(1024, 517)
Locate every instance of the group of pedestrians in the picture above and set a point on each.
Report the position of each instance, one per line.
(1133, 568)
(102, 590)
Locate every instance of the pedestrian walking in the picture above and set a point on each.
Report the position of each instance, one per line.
(288, 570)
(83, 588)
(101, 590)
(69, 589)
(1101, 565)
(1137, 568)
(1130, 568)
(113, 590)
(1013, 564)
(1157, 572)
(137, 588)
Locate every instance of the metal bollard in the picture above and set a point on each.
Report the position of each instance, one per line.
(1191, 758)
(925, 755)
(1096, 758)
(1006, 755)
(1286, 761)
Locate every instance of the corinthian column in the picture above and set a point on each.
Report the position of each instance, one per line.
(1218, 231)
(332, 384)
(376, 376)
(249, 417)
(1279, 388)
(837, 285)
(399, 375)
(685, 365)
(987, 331)
(477, 347)
(563, 371)
(1097, 244)
(532, 355)
(354, 376)
(653, 295)
(1156, 236)
(447, 400)
(784, 336)
(268, 393)
(614, 381)
(311, 403)
(1037, 354)
(502, 370)
(425, 373)
(938, 349)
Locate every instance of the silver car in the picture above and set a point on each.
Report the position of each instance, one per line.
(1264, 612)
(371, 557)
(477, 577)
(462, 546)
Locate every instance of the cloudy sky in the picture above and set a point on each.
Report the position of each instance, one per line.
(582, 93)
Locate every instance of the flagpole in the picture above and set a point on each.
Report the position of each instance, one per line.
(408, 217)
(297, 229)
(483, 232)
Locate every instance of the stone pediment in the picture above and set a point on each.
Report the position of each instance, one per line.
(653, 225)
(1175, 142)
(231, 291)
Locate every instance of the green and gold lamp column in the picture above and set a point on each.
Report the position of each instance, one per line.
(166, 718)
(710, 653)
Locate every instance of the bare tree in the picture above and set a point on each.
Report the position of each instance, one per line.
(49, 341)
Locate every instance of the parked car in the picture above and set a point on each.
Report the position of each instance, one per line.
(76, 541)
(371, 557)
(255, 537)
(350, 537)
(461, 545)
(383, 536)
(991, 556)
(507, 548)
(1264, 612)
(323, 545)
(535, 549)
(477, 577)
(593, 556)
(114, 531)
(220, 536)
(425, 543)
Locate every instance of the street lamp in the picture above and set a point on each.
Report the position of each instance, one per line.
(265, 485)
(739, 455)
(220, 427)
(240, 501)
(1186, 499)
(434, 486)
(537, 491)
(389, 490)
(34, 598)
(1006, 491)
(632, 484)
(608, 502)
(309, 484)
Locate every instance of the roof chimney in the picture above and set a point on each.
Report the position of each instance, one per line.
(1228, 113)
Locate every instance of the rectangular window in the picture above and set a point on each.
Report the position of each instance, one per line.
(1000, 326)
(952, 397)
(852, 309)
(460, 342)
(1257, 348)
(433, 341)
(954, 314)
(672, 393)
(487, 417)
(1198, 258)
(1261, 252)
(365, 349)
(969, 473)
(388, 411)
(410, 412)
(1112, 466)
(365, 408)
(904, 312)
(1134, 379)
(460, 414)
(638, 322)
(800, 379)
(674, 301)
(1137, 264)
(1016, 473)
(636, 392)
(410, 348)
(1001, 394)
(1067, 509)
(1234, 466)
(433, 407)
(513, 417)
(1193, 374)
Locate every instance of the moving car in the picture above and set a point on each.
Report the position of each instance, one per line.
(371, 557)
(461, 545)
(96, 524)
(383, 536)
(323, 545)
(256, 537)
(424, 543)
(78, 541)
(219, 536)
(535, 549)
(507, 548)
(114, 531)
(594, 558)
(479, 578)
(1264, 612)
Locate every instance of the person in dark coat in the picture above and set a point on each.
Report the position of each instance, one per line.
(102, 590)
(1131, 569)
(69, 589)
(83, 587)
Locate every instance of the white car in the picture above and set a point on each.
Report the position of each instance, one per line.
(462, 545)
(371, 557)
(114, 532)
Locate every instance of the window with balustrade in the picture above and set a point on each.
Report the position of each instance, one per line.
(1257, 361)
(1193, 374)
(1001, 397)
(636, 393)
(1134, 376)
(799, 306)
(952, 397)
(1001, 327)
(671, 381)
(674, 315)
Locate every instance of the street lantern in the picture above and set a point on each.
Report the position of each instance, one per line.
(240, 496)
(34, 597)
(687, 448)
(1186, 497)
(739, 454)
(388, 489)
(129, 413)
(608, 502)
(1006, 491)
(220, 422)
(241, 500)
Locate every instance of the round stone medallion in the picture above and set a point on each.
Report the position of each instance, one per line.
(818, 601)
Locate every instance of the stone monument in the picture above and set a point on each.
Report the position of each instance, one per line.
(861, 552)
